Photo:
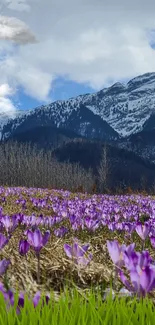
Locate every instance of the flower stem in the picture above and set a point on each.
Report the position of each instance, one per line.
(38, 270)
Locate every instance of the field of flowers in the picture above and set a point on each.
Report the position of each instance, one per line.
(53, 238)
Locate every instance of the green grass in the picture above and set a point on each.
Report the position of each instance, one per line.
(81, 310)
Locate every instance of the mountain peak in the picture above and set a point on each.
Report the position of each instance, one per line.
(119, 109)
(140, 80)
(117, 84)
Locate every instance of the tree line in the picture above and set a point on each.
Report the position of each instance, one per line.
(26, 165)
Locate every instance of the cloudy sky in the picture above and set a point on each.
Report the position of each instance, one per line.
(56, 49)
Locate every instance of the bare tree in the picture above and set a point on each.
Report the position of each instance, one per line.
(104, 170)
(24, 165)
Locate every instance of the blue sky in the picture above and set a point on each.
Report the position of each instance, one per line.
(56, 49)
(61, 90)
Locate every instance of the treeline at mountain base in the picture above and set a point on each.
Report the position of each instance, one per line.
(26, 165)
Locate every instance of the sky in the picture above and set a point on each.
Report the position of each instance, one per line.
(57, 49)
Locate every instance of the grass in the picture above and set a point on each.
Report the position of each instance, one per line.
(57, 271)
(80, 310)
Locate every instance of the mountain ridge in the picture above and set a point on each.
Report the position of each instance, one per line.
(124, 109)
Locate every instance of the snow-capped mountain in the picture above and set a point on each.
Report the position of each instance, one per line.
(116, 111)
(5, 117)
(126, 107)
(68, 115)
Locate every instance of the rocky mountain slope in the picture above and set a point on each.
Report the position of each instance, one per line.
(113, 112)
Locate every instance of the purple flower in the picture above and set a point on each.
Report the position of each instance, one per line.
(3, 241)
(125, 281)
(10, 223)
(137, 260)
(129, 249)
(11, 297)
(60, 232)
(142, 273)
(20, 302)
(4, 265)
(91, 224)
(77, 253)
(143, 281)
(115, 252)
(8, 296)
(37, 240)
(36, 299)
(23, 247)
(142, 230)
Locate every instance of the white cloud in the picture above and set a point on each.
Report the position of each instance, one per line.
(89, 41)
(6, 105)
(5, 90)
(15, 30)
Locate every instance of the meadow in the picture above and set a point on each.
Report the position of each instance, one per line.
(51, 240)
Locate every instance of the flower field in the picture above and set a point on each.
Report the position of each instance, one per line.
(53, 238)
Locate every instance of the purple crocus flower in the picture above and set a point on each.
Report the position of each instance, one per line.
(20, 302)
(10, 223)
(115, 252)
(137, 260)
(118, 253)
(8, 296)
(128, 249)
(23, 247)
(4, 265)
(142, 230)
(37, 240)
(37, 297)
(60, 232)
(77, 253)
(3, 241)
(91, 224)
(142, 282)
(147, 279)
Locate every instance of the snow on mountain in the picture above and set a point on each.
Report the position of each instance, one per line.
(125, 108)
(5, 118)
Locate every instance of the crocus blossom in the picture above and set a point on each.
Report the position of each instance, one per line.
(143, 230)
(37, 240)
(3, 241)
(136, 260)
(10, 223)
(23, 247)
(142, 282)
(77, 253)
(4, 265)
(116, 252)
